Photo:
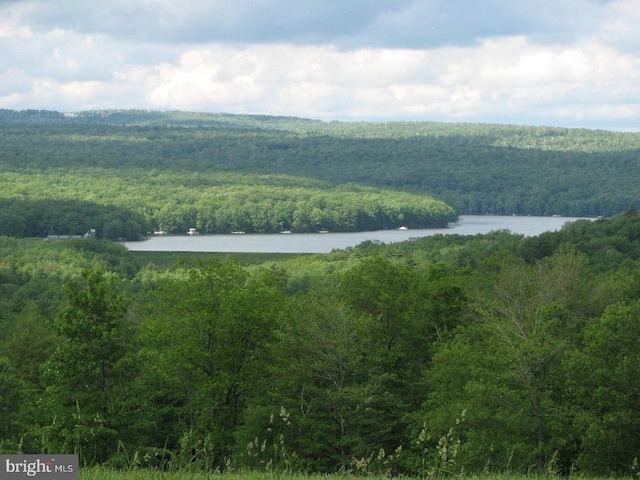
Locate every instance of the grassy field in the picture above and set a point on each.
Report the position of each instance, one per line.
(102, 474)
(105, 474)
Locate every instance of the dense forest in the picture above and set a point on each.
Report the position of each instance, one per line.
(435, 356)
(130, 172)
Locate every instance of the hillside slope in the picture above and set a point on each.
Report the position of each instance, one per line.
(475, 168)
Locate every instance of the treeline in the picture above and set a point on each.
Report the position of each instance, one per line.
(475, 168)
(436, 356)
(39, 218)
(30, 114)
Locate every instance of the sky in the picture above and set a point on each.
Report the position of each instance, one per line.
(570, 63)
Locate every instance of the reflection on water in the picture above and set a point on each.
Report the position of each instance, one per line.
(325, 243)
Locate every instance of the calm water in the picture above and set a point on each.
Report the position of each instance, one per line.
(324, 243)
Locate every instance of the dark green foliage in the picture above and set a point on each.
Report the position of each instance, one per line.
(438, 356)
(13, 395)
(605, 389)
(89, 374)
(208, 339)
(39, 218)
(610, 244)
(347, 371)
(28, 343)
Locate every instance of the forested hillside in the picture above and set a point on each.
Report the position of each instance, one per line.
(178, 170)
(432, 357)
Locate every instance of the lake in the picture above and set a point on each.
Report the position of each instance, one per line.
(326, 242)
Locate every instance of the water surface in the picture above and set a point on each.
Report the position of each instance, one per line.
(326, 242)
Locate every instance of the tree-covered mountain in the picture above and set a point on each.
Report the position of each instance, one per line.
(175, 162)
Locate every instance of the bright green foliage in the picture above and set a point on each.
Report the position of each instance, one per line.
(128, 203)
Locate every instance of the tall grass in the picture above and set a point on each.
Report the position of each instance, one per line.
(99, 473)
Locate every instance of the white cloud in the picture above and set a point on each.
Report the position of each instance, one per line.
(500, 75)
(365, 59)
(10, 26)
(620, 26)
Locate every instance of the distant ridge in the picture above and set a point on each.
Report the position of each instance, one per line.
(155, 118)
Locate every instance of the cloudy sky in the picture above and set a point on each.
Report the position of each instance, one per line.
(573, 63)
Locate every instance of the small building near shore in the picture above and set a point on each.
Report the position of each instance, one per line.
(89, 234)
